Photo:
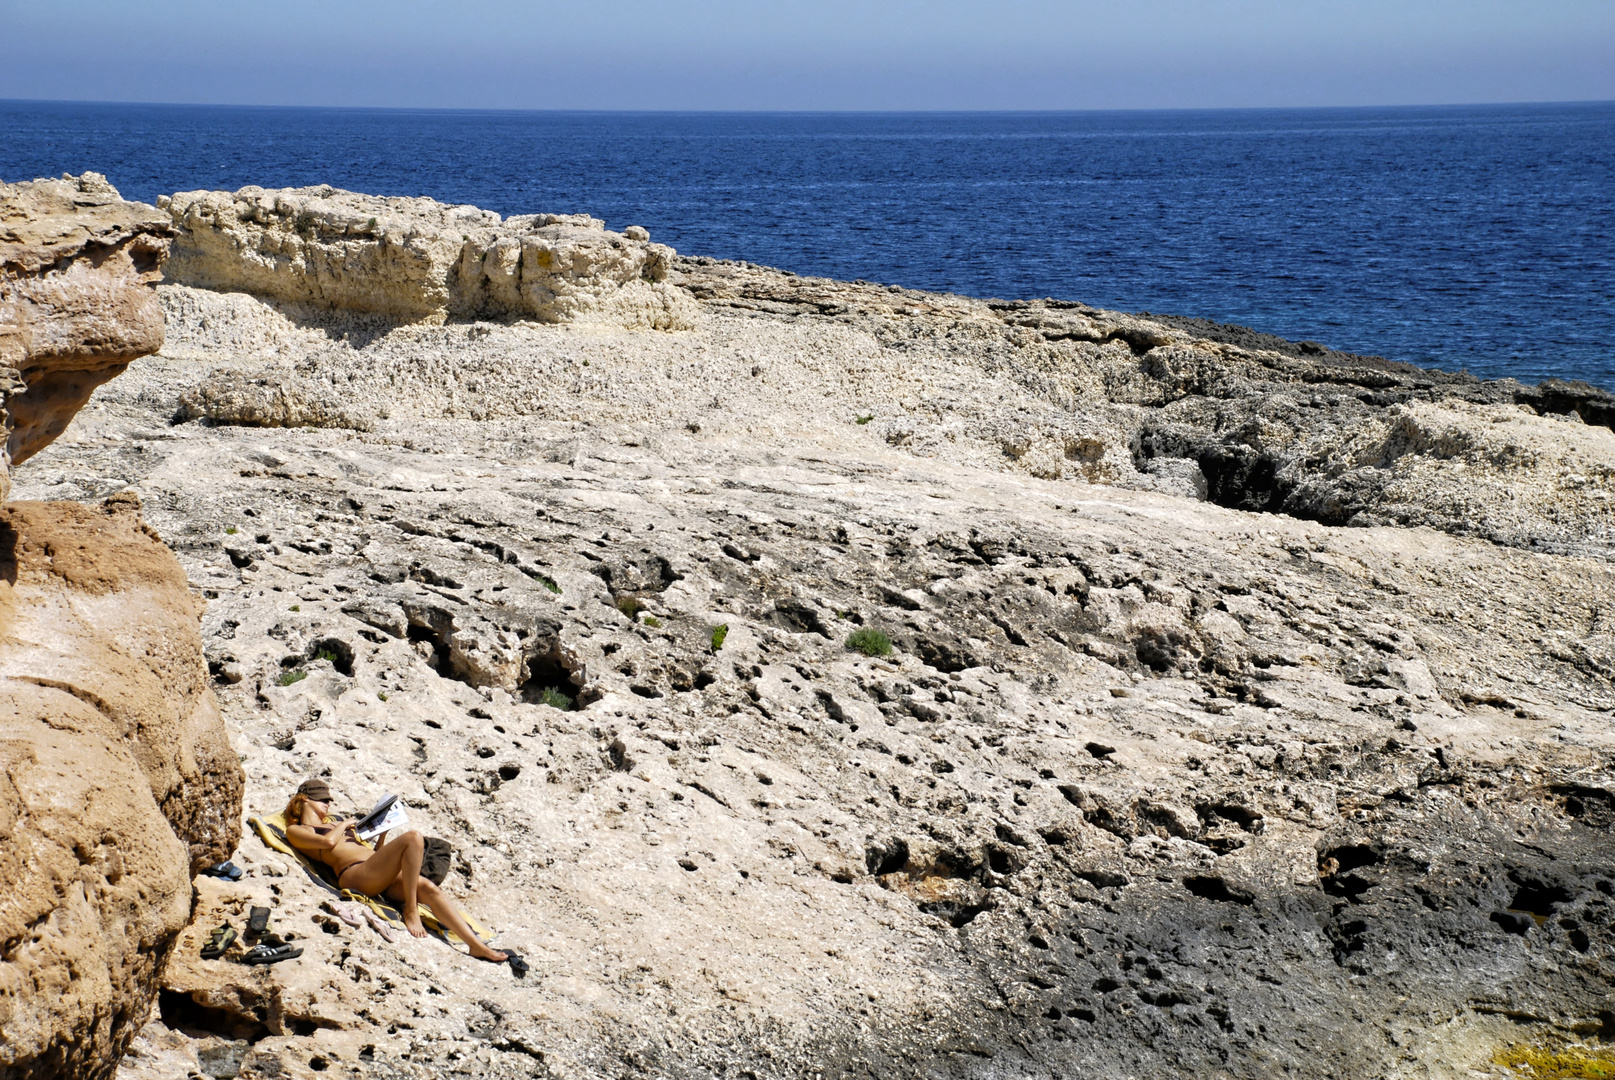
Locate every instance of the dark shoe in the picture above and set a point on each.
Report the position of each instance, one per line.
(257, 921)
(218, 942)
(225, 871)
(265, 953)
(518, 966)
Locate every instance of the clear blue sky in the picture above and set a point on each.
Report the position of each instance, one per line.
(795, 54)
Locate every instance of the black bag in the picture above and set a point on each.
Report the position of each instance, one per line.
(436, 860)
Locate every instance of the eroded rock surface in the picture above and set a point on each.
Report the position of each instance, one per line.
(1148, 785)
(76, 267)
(420, 260)
(117, 782)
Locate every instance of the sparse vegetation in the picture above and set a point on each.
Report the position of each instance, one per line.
(549, 583)
(718, 634)
(553, 697)
(861, 420)
(229, 530)
(327, 655)
(297, 607)
(652, 621)
(630, 606)
(382, 694)
(289, 677)
(870, 642)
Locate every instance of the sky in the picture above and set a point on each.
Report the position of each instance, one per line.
(800, 55)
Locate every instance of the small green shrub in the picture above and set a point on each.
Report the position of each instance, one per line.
(630, 606)
(870, 642)
(297, 607)
(653, 622)
(549, 583)
(382, 694)
(327, 655)
(229, 530)
(861, 420)
(718, 634)
(555, 699)
(289, 677)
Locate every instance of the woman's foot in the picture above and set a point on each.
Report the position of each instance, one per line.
(413, 925)
(482, 952)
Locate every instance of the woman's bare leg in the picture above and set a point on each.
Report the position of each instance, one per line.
(450, 917)
(395, 865)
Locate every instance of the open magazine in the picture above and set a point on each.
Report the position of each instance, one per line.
(387, 815)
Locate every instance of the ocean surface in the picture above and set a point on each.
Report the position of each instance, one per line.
(1477, 237)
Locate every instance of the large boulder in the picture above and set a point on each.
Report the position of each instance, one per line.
(419, 260)
(76, 306)
(117, 780)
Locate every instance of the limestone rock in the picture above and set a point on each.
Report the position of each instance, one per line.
(117, 782)
(76, 263)
(269, 399)
(420, 260)
(1168, 771)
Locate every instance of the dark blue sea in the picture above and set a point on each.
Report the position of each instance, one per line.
(1479, 238)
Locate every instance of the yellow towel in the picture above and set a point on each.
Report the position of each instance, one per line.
(272, 831)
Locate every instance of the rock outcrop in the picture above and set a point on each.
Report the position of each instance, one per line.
(418, 260)
(275, 399)
(1166, 771)
(76, 266)
(117, 782)
(1147, 785)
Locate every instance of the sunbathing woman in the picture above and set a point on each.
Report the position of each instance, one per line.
(392, 870)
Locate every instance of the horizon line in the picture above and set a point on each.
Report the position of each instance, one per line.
(810, 112)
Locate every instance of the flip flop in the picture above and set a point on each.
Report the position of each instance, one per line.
(225, 871)
(258, 921)
(518, 966)
(218, 941)
(265, 953)
(379, 924)
(346, 912)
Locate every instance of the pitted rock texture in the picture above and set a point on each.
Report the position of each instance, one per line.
(76, 267)
(117, 781)
(271, 400)
(420, 260)
(1148, 785)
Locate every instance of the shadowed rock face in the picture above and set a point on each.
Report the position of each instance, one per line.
(76, 266)
(116, 780)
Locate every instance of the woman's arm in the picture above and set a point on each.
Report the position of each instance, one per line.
(317, 837)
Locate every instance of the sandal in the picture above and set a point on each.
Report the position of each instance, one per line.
(265, 953)
(218, 942)
(518, 966)
(380, 926)
(346, 912)
(258, 921)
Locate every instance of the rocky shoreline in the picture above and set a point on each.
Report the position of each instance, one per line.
(1247, 713)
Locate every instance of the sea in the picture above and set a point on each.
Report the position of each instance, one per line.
(1478, 238)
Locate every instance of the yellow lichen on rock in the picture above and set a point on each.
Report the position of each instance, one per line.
(1565, 1063)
